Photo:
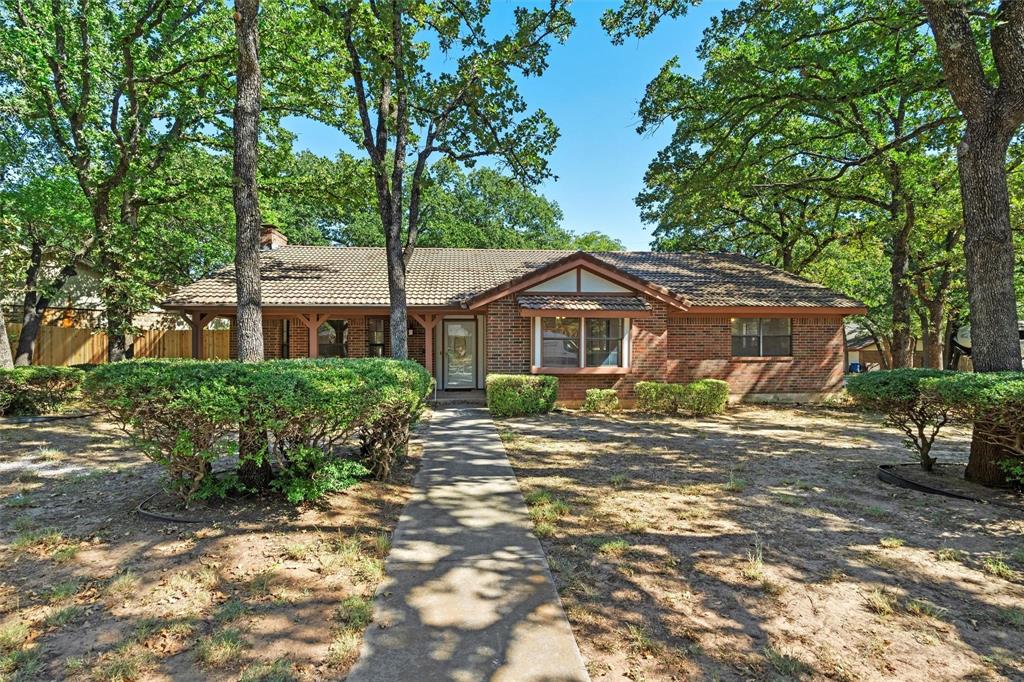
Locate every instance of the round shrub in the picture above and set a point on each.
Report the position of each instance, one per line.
(38, 389)
(705, 397)
(516, 395)
(602, 400)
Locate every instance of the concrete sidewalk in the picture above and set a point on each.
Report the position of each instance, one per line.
(468, 595)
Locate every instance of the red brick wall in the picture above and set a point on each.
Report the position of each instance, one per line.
(700, 346)
(298, 339)
(508, 338)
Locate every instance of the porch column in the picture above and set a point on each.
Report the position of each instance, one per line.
(313, 322)
(198, 322)
(428, 322)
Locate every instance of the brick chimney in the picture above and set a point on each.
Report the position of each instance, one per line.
(271, 238)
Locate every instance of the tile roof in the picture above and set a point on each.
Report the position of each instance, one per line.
(583, 302)
(357, 276)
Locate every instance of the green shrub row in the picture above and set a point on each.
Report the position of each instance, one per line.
(698, 398)
(601, 400)
(920, 402)
(38, 389)
(517, 395)
(185, 415)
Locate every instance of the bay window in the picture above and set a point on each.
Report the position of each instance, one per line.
(762, 337)
(581, 342)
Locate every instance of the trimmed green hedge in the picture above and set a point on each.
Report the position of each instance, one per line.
(900, 394)
(38, 389)
(920, 402)
(184, 414)
(517, 395)
(699, 398)
(603, 400)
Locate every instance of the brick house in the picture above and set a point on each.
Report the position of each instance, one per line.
(606, 319)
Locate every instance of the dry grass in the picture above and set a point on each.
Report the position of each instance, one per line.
(760, 545)
(91, 591)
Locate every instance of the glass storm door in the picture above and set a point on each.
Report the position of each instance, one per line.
(460, 354)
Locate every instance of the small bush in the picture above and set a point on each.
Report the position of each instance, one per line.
(516, 395)
(603, 400)
(657, 398)
(900, 396)
(700, 398)
(311, 475)
(705, 397)
(38, 389)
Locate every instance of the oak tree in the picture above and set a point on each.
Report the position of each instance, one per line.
(409, 109)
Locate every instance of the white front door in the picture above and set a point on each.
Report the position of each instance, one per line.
(459, 354)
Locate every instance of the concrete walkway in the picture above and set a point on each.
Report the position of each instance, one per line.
(468, 595)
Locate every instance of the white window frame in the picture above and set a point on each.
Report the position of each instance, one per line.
(538, 341)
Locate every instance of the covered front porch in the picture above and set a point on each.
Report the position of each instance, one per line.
(450, 343)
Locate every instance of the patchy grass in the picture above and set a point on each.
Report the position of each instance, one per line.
(712, 538)
(89, 592)
(612, 548)
(63, 615)
(221, 649)
(278, 671)
(951, 554)
(881, 602)
(997, 566)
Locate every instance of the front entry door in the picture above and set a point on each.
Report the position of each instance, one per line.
(459, 354)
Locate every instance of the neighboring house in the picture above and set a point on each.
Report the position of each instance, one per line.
(593, 319)
(862, 349)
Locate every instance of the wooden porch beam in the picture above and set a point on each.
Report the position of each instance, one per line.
(428, 322)
(198, 322)
(313, 322)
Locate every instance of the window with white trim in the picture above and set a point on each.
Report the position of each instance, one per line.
(581, 342)
(560, 342)
(604, 342)
(762, 337)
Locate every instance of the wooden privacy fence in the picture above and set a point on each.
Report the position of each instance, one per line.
(71, 346)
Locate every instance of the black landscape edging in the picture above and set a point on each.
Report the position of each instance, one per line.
(887, 474)
(30, 419)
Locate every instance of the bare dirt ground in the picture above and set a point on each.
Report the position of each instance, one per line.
(90, 590)
(760, 545)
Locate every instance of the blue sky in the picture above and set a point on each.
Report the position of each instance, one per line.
(591, 90)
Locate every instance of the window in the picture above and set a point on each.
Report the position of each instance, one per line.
(580, 343)
(376, 333)
(754, 337)
(332, 339)
(560, 342)
(604, 342)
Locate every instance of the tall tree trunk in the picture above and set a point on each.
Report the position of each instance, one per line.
(254, 463)
(32, 309)
(396, 291)
(990, 262)
(31, 321)
(931, 331)
(6, 361)
(247, 210)
(952, 327)
(902, 340)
